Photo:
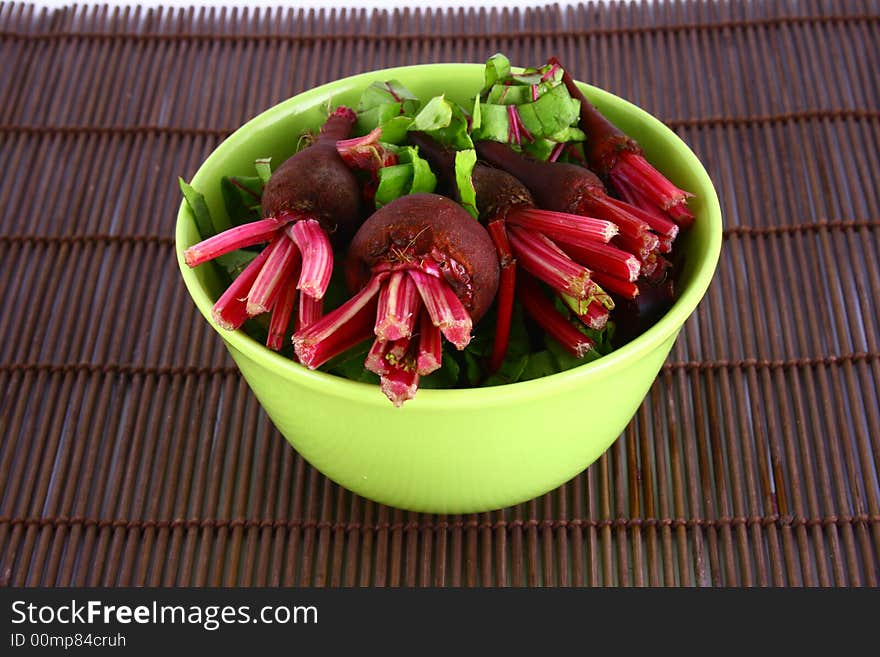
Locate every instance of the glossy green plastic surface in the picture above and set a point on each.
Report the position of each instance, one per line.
(454, 451)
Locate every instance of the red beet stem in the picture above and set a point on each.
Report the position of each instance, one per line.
(375, 361)
(366, 153)
(399, 384)
(340, 329)
(430, 354)
(505, 295)
(615, 285)
(603, 257)
(634, 170)
(538, 256)
(230, 310)
(281, 313)
(596, 316)
(605, 141)
(600, 205)
(398, 352)
(237, 237)
(542, 310)
(561, 225)
(635, 204)
(280, 264)
(641, 247)
(398, 304)
(445, 308)
(309, 311)
(317, 257)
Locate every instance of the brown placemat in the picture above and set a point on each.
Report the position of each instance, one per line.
(133, 453)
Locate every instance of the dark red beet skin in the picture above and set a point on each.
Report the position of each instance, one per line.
(497, 191)
(316, 183)
(427, 226)
(556, 186)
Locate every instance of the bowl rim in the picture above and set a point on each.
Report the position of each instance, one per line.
(666, 327)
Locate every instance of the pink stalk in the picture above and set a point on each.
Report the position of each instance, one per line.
(556, 152)
(340, 329)
(681, 214)
(563, 226)
(602, 206)
(655, 268)
(513, 129)
(620, 287)
(664, 245)
(596, 316)
(317, 257)
(309, 311)
(638, 206)
(605, 258)
(398, 351)
(641, 247)
(517, 130)
(504, 297)
(549, 264)
(444, 307)
(548, 75)
(375, 361)
(634, 170)
(366, 152)
(398, 303)
(399, 384)
(237, 237)
(281, 313)
(230, 310)
(542, 310)
(279, 267)
(430, 353)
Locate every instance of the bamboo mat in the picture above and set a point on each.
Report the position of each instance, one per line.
(133, 453)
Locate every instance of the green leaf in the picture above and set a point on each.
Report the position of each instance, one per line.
(393, 183)
(494, 124)
(423, 179)
(476, 114)
(435, 115)
(204, 222)
(394, 130)
(551, 113)
(497, 68)
(540, 363)
(445, 121)
(241, 196)
(264, 168)
(464, 167)
(385, 102)
(412, 175)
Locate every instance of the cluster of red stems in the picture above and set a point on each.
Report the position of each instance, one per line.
(420, 268)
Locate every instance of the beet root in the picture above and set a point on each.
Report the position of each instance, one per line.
(311, 196)
(429, 228)
(423, 267)
(528, 238)
(315, 183)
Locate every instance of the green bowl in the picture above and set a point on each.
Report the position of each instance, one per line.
(453, 451)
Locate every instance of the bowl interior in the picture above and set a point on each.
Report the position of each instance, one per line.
(275, 133)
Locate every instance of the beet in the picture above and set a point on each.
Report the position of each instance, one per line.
(554, 246)
(556, 186)
(310, 198)
(316, 183)
(422, 267)
(429, 225)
